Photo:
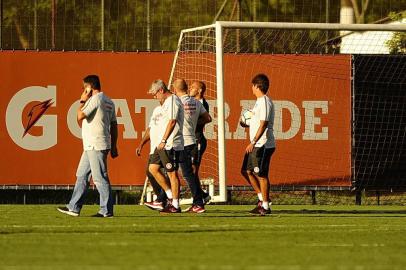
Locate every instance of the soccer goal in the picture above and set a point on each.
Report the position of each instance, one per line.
(318, 111)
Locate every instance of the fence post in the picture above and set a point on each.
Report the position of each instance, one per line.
(1, 24)
(327, 21)
(118, 192)
(148, 25)
(102, 24)
(53, 18)
(35, 25)
(378, 197)
(314, 197)
(358, 196)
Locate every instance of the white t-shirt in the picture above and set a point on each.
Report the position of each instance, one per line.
(100, 113)
(172, 109)
(193, 109)
(263, 110)
(154, 128)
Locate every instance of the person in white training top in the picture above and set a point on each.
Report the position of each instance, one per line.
(152, 134)
(194, 114)
(170, 146)
(99, 135)
(258, 153)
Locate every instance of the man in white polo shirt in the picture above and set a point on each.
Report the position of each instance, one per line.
(152, 134)
(194, 113)
(258, 153)
(170, 148)
(99, 134)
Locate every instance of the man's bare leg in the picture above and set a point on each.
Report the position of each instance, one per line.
(154, 169)
(173, 177)
(264, 183)
(248, 175)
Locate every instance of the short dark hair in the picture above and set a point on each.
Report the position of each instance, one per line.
(94, 81)
(202, 86)
(262, 82)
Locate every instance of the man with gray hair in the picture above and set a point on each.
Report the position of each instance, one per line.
(169, 149)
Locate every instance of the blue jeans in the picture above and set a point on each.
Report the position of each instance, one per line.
(189, 176)
(92, 163)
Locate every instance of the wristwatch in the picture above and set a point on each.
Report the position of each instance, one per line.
(163, 141)
(253, 142)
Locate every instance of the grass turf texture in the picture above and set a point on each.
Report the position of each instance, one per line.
(225, 237)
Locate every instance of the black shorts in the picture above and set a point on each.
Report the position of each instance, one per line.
(168, 159)
(258, 161)
(198, 151)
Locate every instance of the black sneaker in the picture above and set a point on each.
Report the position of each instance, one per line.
(66, 211)
(170, 210)
(263, 212)
(103, 216)
(257, 207)
(206, 198)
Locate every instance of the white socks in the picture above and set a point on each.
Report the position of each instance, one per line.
(265, 205)
(260, 197)
(175, 203)
(169, 194)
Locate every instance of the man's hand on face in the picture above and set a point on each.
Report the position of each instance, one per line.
(86, 94)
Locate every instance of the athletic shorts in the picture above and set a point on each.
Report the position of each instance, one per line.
(198, 151)
(258, 161)
(168, 159)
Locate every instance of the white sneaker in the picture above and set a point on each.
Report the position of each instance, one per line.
(66, 211)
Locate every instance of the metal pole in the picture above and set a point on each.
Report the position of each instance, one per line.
(327, 21)
(254, 18)
(214, 21)
(1, 24)
(354, 176)
(175, 60)
(220, 113)
(102, 24)
(53, 18)
(148, 26)
(35, 25)
(239, 17)
(314, 26)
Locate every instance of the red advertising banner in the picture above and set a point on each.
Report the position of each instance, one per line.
(49, 84)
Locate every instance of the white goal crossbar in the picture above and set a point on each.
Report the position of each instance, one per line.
(218, 28)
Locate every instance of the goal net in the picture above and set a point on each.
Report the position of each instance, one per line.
(318, 112)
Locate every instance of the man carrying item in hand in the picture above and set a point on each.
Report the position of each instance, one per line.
(258, 153)
(99, 134)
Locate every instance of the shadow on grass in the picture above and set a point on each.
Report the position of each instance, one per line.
(219, 213)
(130, 231)
(340, 212)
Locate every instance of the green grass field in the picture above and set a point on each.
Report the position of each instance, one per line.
(226, 237)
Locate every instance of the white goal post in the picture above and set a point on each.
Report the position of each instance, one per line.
(200, 55)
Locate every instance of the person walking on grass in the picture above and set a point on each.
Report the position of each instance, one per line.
(97, 116)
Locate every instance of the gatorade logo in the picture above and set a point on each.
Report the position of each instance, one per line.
(14, 118)
(35, 114)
